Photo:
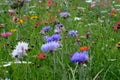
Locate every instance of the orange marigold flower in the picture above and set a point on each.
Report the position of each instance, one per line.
(84, 48)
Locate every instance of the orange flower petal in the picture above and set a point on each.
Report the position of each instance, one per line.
(84, 48)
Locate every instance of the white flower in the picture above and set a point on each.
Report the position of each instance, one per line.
(77, 18)
(7, 79)
(22, 46)
(20, 50)
(88, 1)
(18, 53)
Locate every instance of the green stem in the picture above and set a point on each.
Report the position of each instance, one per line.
(54, 67)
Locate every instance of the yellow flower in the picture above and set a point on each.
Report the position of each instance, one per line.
(13, 30)
(20, 21)
(114, 14)
(118, 45)
(34, 17)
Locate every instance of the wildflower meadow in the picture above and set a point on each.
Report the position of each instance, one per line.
(59, 40)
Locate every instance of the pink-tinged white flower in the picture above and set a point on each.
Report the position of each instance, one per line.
(22, 46)
(11, 12)
(18, 53)
(20, 50)
(114, 11)
(92, 6)
(115, 27)
(6, 34)
(103, 3)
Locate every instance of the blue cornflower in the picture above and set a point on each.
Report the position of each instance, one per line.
(54, 37)
(58, 25)
(59, 28)
(64, 14)
(46, 28)
(50, 46)
(73, 33)
(80, 57)
(27, 0)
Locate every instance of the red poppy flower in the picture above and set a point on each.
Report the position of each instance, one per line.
(37, 24)
(84, 48)
(49, 2)
(41, 56)
(118, 23)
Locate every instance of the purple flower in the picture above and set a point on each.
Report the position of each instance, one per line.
(73, 33)
(80, 57)
(27, 0)
(50, 46)
(58, 25)
(59, 28)
(64, 14)
(54, 37)
(45, 29)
